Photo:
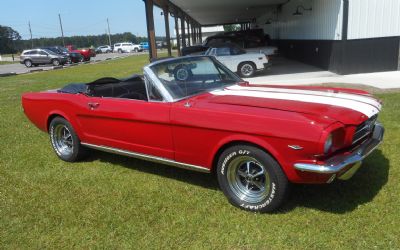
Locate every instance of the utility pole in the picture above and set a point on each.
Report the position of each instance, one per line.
(109, 35)
(30, 31)
(62, 31)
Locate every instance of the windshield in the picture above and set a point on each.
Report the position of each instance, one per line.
(185, 77)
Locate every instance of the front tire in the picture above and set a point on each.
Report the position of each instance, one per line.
(251, 179)
(247, 69)
(55, 62)
(65, 141)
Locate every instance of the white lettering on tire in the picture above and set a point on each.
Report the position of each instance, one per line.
(226, 160)
(265, 203)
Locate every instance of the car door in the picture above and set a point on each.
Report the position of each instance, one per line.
(128, 124)
(43, 57)
(223, 55)
(35, 56)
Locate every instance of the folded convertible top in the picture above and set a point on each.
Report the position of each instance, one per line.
(75, 88)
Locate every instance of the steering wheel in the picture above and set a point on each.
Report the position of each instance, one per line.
(182, 73)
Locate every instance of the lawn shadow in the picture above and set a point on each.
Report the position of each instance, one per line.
(196, 178)
(339, 197)
(343, 196)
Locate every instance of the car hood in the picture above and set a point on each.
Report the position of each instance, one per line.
(344, 105)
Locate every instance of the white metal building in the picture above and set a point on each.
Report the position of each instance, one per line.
(344, 36)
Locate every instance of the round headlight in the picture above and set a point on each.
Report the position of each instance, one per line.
(328, 144)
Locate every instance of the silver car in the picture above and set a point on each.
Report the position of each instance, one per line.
(34, 57)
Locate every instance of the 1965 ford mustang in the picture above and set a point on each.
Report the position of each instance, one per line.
(192, 112)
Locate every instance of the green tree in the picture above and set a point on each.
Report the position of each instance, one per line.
(8, 40)
(231, 27)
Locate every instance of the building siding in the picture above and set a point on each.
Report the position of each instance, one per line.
(324, 22)
(373, 18)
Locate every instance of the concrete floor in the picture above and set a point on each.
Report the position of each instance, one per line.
(288, 72)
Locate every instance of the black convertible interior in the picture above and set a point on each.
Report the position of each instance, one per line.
(130, 88)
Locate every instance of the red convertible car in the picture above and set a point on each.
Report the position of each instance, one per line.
(193, 113)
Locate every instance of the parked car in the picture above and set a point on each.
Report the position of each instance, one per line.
(144, 45)
(103, 49)
(86, 53)
(237, 60)
(73, 57)
(127, 47)
(194, 113)
(249, 40)
(34, 57)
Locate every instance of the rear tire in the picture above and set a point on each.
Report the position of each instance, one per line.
(251, 179)
(65, 142)
(247, 69)
(28, 63)
(136, 50)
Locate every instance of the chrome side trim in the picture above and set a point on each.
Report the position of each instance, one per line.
(339, 162)
(147, 157)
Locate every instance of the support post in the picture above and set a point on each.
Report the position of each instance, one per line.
(150, 29)
(201, 35)
(167, 35)
(183, 31)
(178, 41)
(193, 34)
(189, 35)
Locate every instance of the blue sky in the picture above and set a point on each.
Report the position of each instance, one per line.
(79, 17)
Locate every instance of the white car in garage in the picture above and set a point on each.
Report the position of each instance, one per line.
(238, 60)
(127, 47)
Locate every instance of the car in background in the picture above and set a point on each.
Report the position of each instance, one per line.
(238, 60)
(103, 49)
(86, 53)
(73, 57)
(126, 47)
(34, 57)
(249, 40)
(144, 45)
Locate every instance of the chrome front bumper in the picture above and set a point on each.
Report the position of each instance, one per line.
(338, 163)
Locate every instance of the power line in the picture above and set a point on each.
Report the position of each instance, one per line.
(109, 35)
(62, 32)
(30, 32)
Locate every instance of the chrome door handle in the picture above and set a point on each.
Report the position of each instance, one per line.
(93, 105)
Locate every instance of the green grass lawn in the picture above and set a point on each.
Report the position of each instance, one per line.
(8, 62)
(111, 201)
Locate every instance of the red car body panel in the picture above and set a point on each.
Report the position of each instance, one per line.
(86, 53)
(194, 130)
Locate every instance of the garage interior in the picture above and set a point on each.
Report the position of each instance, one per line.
(341, 36)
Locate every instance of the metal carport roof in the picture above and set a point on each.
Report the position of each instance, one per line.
(211, 12)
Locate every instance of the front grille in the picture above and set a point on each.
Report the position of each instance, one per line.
(364, 129)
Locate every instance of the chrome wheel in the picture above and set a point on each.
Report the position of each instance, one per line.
(247, 69)
(248, 179)
(28, 63)
(62, 140)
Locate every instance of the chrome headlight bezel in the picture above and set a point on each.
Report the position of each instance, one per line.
(328, 144)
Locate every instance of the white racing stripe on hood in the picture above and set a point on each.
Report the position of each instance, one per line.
(362, 107)
(362, 98)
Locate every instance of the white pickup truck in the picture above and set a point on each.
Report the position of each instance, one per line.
(126, 47)
(246, 64)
